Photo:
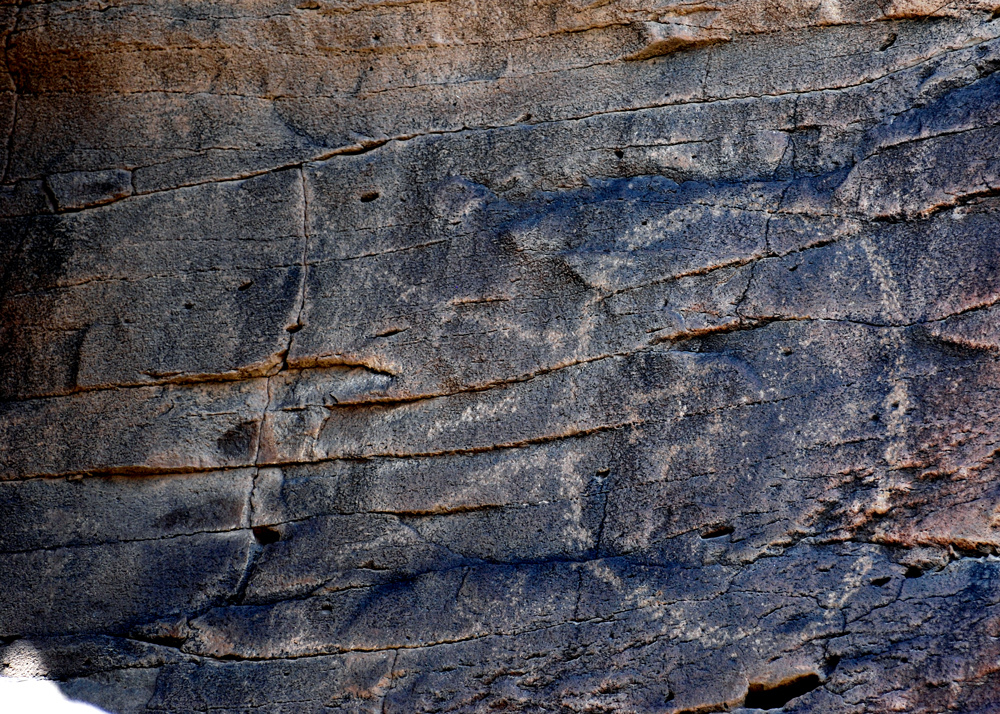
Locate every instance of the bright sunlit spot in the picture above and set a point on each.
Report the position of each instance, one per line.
(22, 692)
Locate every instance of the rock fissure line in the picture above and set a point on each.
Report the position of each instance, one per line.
(742, 323)
(257, 547)
(371, 144)
(17, 94)
(540, 422)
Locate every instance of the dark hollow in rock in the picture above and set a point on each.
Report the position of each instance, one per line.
(760, 696)
(238, 441)
(717, 532)
(265, 535)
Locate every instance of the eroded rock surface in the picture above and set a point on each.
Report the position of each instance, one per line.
(569, 356)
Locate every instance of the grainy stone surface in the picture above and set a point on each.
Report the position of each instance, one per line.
(618, 356)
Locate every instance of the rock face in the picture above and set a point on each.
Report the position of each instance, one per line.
(569, 356)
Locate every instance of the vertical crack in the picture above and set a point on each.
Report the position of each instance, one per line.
(50, 197)
(579, 595)
(304, 262)
(604, 518)
(257, 547)
(767, 234)
(392, 680)
(746, 290)
(17, 92)
(461, 585)
(708, 68)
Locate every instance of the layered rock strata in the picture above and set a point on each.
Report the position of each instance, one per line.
(616, 356)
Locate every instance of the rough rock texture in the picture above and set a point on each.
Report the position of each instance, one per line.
(569, 356)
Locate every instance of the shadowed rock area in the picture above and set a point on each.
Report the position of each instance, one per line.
(623, 356)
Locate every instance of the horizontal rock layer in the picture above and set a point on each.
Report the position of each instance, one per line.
(418, 357)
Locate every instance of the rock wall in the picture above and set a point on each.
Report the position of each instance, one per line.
(552, 355)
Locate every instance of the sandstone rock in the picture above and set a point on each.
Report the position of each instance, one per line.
(567, 356)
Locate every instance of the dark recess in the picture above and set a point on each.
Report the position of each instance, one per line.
(760, 696)
(717, 532)
(266, 535)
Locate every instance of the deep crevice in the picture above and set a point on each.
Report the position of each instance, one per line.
(17, 95)
(266, 535)
(775, 696)
(717, 532)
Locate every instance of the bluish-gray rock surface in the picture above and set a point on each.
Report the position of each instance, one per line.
(564, 356)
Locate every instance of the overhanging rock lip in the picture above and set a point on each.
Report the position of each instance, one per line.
(664, 38)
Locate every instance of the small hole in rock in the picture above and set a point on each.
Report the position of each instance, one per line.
(293, 328)
(266, 535)
(619, 153)
(369, 196)
(895, 405)
(875, 417)
(793, 269)
(717, 532)
(245, 285)
(879, 582)
(188, 305)
(832, 663)
(392, 331)
(763, 696)
(888, 42)
(326, 606)
(913, 572)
